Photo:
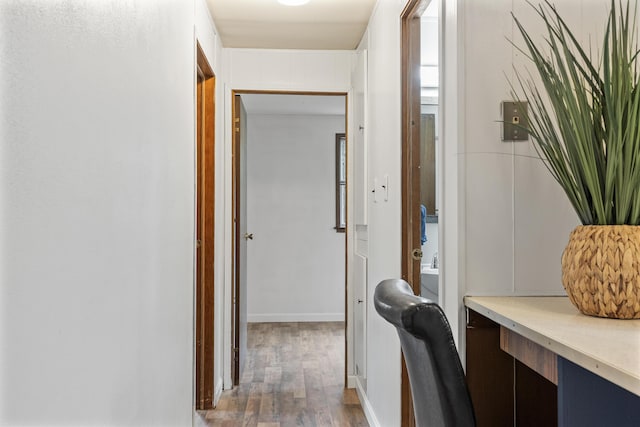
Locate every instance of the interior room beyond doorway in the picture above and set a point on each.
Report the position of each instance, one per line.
(296, 260)
(287, 196)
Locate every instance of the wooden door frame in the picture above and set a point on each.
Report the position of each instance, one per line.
(410, 51)
(205, 220)
(235, 173)
(235, 155)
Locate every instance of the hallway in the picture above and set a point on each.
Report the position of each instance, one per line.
(294, 376)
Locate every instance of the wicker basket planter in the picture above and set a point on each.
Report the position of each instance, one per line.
(601, 270)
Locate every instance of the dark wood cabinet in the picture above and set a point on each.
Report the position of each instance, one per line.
(504, 391)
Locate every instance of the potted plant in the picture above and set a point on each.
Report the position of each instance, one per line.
(586, 129)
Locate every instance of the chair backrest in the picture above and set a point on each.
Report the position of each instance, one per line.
(438, 385)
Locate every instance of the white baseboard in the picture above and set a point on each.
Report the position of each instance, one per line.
(366, 406)
(351, 381)
(217, 392)
(198, 419)
(295, 317)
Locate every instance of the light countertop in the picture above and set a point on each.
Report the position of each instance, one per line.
(609, 348)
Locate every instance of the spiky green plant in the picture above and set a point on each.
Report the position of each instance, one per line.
(587, 127)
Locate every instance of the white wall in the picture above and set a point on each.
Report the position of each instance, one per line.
(496, 234)
(97, 227)
(281, 70)
(517, 218)
(429, 52)
(97, 179)
(289, 70)
(382, 401)
(296, 261)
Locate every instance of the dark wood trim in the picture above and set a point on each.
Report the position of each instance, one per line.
(198, 291)
(428, 162)
(536, 399)
(490, 373)
(411, 139)
(410, 56)
(285, 92)
(203, 62)
(208, 242)
(346, 240)
(235, 111)
(504, 391)
(541, 360)
(205, 225)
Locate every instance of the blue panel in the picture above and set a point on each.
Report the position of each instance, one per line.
(588, 400)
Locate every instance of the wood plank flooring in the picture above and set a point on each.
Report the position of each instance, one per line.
(293, 376)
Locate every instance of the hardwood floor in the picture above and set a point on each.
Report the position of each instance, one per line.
(293, 376)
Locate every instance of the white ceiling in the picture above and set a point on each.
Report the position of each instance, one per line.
(320, 24)
(293, 104)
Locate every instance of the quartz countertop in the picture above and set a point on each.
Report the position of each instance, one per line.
(609, 348)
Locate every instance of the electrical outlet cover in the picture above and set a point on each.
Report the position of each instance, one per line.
(514, 121)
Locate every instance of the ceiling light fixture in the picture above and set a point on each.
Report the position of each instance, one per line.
(293, 2)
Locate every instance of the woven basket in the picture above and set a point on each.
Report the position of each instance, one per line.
(601, 270)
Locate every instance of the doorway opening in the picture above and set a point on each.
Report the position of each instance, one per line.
(289, 249)
(421, 120)
(204, 238)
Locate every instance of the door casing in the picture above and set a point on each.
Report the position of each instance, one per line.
(410, 48)
(204, 241)
(239, 296)
(235, 313)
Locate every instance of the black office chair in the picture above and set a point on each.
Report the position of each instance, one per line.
(440, 393)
